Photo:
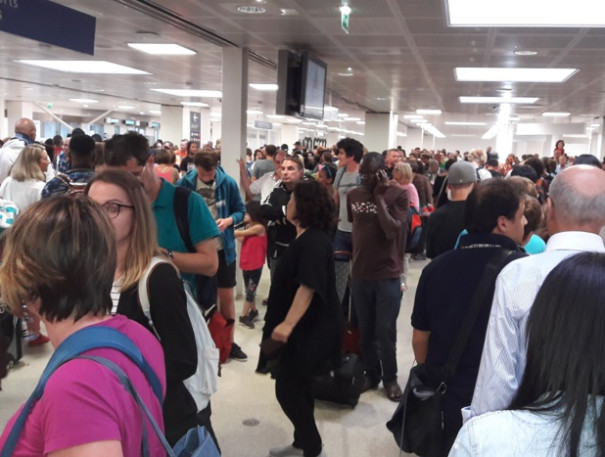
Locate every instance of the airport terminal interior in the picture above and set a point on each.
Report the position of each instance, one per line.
(454, 75)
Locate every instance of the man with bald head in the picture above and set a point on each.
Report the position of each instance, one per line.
(25, 134)
(575, 214)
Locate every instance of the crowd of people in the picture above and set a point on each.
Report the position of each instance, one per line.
(333, 226)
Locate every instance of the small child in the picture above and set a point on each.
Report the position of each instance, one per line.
(252, 258)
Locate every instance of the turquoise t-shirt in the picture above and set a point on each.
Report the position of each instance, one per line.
(201, 223)
(536, 245)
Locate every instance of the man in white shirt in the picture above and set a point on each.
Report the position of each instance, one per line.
(25, 133)
(574, 216)
(261, 188)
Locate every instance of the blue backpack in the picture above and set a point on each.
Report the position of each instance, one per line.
(196, 442)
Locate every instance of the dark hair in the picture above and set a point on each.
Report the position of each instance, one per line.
(352, 148)
(97, 138)
(587, 159)
(81, 146)
(296, 159)
(121, 148)
(189, 143)
(449, 163)
(533, 214)
(77, 131)
(559, 141)
(99, 154)
(489, 200)
(162, 156)
(314, 206)
(331, 170)
(537, 165)
(270, 150)
(492, 162)
(207, 160)
(253, 208)
(57, 140)
(525, 171)
(565, 343)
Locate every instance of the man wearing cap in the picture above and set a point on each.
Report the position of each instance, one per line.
(446, 223)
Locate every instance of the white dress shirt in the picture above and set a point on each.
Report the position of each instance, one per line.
(504, 351)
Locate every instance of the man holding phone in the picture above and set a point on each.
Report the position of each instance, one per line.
(378, 210)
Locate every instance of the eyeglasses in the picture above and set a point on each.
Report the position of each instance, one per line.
(113, 209)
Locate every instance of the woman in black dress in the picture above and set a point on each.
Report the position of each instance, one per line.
(303, 313)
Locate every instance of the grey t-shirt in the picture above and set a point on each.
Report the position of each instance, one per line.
(261, 167)
(346, 182)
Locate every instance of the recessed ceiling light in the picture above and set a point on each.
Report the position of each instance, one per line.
(191, 93)
(155, 111)
(555, 114)
(288, 12)
(125, 107)
(428, 111)
(265, 87)
(463, 134)
(84, 100)
(401, 134)
(595, 125)
(85, 66)
(162, 49)
(352, 119)
(198, 104)
(521, 13)
(465, 123)
(141, 112)
(495, 100)
(360, 123)
(254, 111)
(575, 135)
(348, 73)
(537, 75)
(412, 116)
(525, 52)
(342, 115)
(251, 9)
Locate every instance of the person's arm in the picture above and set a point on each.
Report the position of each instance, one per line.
(502, 360)
(112, 448)
(235, 207)
(391, 224)
(420, 345)
(204, 261)
(244, 179)
(299, 307)
(257, 230)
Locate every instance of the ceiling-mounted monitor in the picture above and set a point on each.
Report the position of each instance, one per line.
(313, 87)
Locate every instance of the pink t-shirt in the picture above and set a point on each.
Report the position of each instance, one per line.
(84, 402)
(414, 200)
(254, 250)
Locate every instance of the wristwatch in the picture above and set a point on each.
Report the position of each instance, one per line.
(170, 254)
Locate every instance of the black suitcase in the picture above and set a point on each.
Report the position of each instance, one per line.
(343, 385)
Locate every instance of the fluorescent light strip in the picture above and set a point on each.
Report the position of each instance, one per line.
(254, 111)
(198, 104)
(465, 123)
(191, 93)
(504, 74)
(428, 111)
(513, 100)
(84, 66)
(83, 100)
(521, 13)
(264, 87)
(412, 116)
(575, 135)
(555, 114)
(162, 49)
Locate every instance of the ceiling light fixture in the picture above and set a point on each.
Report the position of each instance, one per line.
(412, 116)
(247, 9)
(525, 52)
(191, 93)
(264, 87)
(84, 100)
(504, 74)
(198, 104)
(465, 123)
(555, 114)
(537, 13)
(162, 49)
(254, 111)
(428, 111)
(84, 66)
(496, 100)
(125, 107)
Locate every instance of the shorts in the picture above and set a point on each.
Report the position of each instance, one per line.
(343, 246)
(225, 275)
(251, 280)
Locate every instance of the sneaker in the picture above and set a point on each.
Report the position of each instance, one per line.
(286, 451)
(253, 315)
(246, 321)
(237, 353)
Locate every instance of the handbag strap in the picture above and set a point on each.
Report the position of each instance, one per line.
(486, 282)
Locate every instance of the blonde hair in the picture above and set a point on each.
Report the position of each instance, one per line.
(27, 165)
(143, 243)
(405, 170)
(478, 155)
(61, 251)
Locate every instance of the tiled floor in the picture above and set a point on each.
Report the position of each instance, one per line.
(246, 416)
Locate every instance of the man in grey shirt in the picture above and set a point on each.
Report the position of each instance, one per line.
(264, 166)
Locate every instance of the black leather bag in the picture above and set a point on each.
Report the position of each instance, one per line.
(417, 424)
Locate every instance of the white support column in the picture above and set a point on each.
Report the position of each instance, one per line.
(600, 142)
(380, 131)
(4, 130)
(289, 135)
(174, 123)
(15, 111)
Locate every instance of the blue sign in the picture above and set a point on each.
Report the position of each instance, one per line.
(49, 22)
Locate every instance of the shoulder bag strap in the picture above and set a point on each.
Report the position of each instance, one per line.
(181, 215)
(486, 282)
(143, 292)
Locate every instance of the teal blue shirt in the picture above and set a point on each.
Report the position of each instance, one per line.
(201, 222)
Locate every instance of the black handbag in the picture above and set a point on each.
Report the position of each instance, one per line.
(417, 424)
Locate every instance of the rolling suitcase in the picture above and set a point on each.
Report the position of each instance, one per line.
(343, 385)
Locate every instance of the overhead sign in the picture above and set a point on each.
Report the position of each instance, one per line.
(49, 22)
(195, 126)
(263, 125)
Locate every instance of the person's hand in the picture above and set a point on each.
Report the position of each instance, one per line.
(382, 183)
(282, 332)
(222, 224)
(242, 164)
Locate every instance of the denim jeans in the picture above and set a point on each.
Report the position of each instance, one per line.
(377, 303)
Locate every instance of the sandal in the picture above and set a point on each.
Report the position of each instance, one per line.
(393, 391)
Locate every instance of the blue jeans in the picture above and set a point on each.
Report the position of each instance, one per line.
(377, 304)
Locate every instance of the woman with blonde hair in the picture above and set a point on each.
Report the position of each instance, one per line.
(403, 175)
(123, 198)
(26, 181)
(58, 264)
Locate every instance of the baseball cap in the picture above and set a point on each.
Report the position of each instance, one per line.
(461, 173)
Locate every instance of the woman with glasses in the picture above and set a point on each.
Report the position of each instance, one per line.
(65, 279)
(123, 198)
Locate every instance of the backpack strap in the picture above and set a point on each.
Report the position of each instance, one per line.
(86, 339)
(181, 215)
(143, 292)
